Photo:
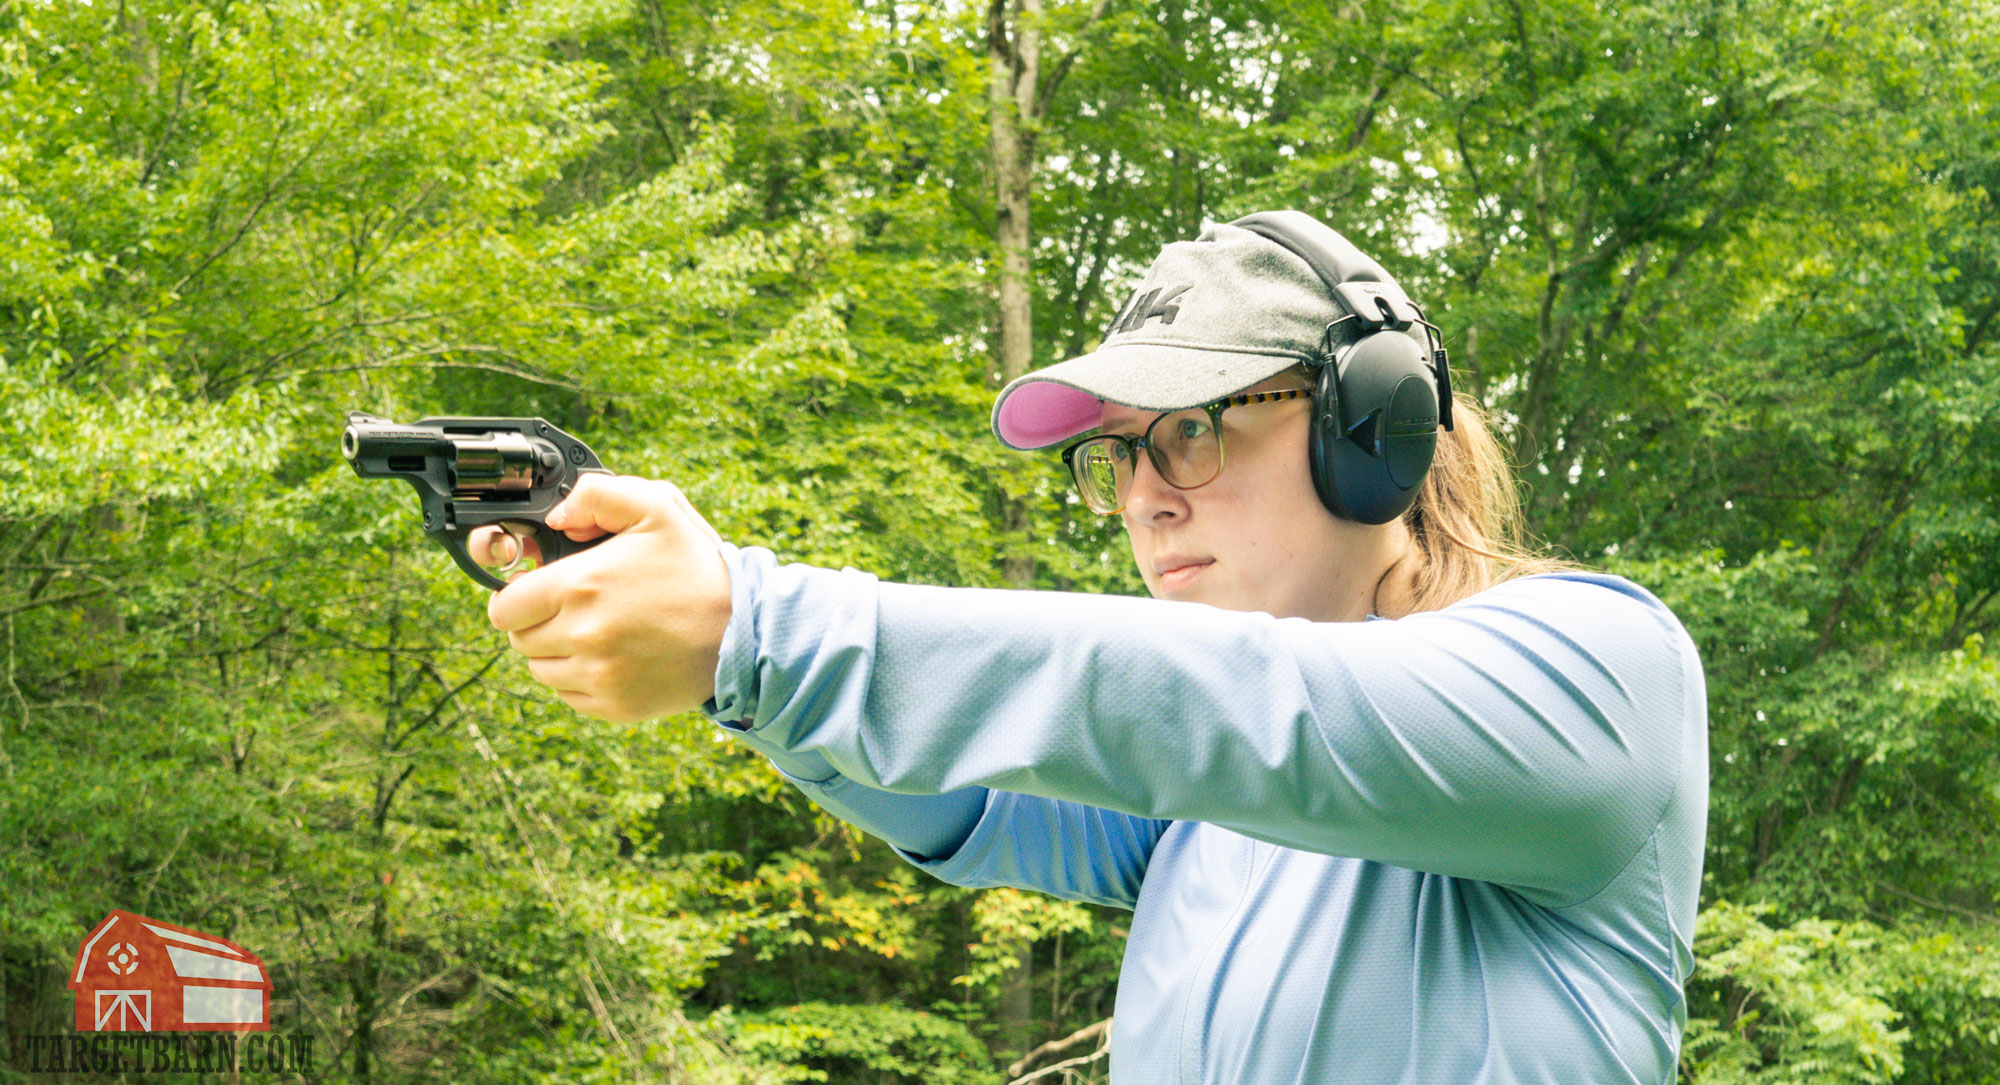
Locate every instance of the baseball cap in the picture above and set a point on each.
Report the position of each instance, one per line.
(1212, 317)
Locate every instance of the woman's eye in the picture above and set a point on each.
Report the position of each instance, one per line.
(1192, 428)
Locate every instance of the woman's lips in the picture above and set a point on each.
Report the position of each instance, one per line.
(1180, 576)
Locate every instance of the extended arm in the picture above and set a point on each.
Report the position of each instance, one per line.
(1530, 736)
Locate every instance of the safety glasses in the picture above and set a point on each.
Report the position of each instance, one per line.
(1184, 446)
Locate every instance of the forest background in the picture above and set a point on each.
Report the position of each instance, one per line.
(1726, 269)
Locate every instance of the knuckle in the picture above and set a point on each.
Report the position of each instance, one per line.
(589, 584)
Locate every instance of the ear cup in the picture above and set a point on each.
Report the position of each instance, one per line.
(1326, 433)
(1374, 428)
(1378, 401)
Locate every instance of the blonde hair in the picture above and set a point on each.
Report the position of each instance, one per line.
(1466, 528)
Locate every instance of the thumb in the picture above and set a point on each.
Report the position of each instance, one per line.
(611, 503)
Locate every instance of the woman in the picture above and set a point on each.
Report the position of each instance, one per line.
(1392, 800)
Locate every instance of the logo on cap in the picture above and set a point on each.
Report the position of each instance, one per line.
(1146, 306)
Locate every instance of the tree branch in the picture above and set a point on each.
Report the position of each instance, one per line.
(1098, 1034)
(401, 361)
(438, 708)
(50, 601)
(999, 43)
(1955, 636)
(1939, 905)
(1366, 120)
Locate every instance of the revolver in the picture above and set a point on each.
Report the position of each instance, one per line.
(475, 472)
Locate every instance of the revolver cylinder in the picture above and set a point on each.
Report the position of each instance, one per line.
(505, 463)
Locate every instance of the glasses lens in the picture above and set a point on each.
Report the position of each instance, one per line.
(1102, 467)
(1186, 449)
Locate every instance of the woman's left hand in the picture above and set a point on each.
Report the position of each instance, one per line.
(630, 629)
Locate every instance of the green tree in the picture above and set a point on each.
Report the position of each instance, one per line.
(1725, 270)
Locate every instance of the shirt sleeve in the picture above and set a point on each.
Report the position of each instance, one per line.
(926, 830)
(1530, 735)
(979, 838)
(971, 836)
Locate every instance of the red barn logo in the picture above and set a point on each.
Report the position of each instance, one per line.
(135, 974)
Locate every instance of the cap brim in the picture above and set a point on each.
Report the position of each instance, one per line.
(1051, 405)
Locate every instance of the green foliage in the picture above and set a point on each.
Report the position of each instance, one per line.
(1727, 274)
(1829, 1001)
(1008, 920)
(865, 1045)
(1945, 987)
(1797, 1005)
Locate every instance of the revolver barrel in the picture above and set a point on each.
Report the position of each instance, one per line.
(364, 441)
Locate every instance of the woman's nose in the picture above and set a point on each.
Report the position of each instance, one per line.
(1151, 498)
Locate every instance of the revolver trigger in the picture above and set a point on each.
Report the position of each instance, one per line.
(523, 558)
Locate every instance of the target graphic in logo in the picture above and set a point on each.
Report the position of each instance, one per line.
(122, 959)
(135, 974)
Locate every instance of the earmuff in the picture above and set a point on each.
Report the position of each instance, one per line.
(1379, 396)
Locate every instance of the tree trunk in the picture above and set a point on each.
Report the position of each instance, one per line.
(1016, 105)
(367, 983)
(1013, 49)
(104, 618)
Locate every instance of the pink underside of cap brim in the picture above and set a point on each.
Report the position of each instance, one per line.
(1041, 413)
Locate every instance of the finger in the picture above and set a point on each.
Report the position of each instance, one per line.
(490, 546)
(529, 599)
(494, 547)
(559, 673)
(526, 548)
(586, 705)
(549, 673)
(607, 503)
(544, 641)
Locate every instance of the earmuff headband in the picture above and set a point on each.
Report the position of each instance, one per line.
(1374, 428)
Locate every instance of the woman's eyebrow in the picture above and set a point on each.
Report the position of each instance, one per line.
(1130, 424)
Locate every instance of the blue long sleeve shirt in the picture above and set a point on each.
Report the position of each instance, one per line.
(1460, 846)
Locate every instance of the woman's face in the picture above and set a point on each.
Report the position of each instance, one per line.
(1256, 538)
